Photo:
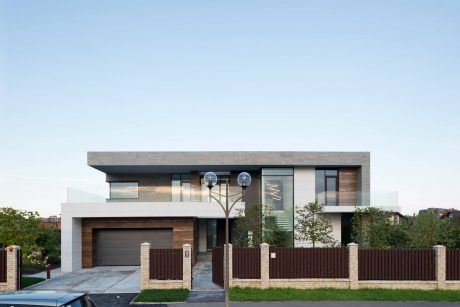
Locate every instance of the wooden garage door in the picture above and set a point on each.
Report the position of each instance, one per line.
(122, 246)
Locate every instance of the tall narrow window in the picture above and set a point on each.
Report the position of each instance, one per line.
(327, 187)
(278, 193)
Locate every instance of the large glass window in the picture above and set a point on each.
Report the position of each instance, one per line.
(278, 192)
(124, 190)
(181, 187)
(327, 187)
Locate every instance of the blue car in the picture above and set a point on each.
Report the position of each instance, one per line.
(45, 298)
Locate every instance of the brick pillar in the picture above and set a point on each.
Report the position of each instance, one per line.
(264, 265)
(230, 264)
(145, 265)
(353, 265)
(440, 266)
(12, 262)
(187, 266)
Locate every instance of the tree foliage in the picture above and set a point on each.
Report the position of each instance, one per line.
(313, 225)
(373, 229)
(18, 227)
(256, 225)
(23, 228)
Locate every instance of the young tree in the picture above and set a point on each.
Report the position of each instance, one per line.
(312, 225)
(256, 224)
(371, 228)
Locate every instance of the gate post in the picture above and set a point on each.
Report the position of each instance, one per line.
(187, 266)
(440, 265)
(353, 273)
(264, 265)
(230, 265)
(13, 269)
(145, 265)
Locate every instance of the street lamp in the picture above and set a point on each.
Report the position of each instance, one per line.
(244, 180)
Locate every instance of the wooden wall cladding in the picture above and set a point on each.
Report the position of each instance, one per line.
(348, 186)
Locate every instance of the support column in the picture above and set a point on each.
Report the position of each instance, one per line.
(145, 265)
(440, 251)
(264, 265)
(353, 273)
(230, 265)
(187, 266)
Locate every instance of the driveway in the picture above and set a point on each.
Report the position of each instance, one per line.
(102, 279)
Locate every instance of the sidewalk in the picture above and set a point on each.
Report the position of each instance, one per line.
(54, 273)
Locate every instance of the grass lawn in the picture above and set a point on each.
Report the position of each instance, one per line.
(162, 295)
(29, 281)
(279, 294)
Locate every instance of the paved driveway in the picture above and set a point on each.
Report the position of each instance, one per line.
(102, 279)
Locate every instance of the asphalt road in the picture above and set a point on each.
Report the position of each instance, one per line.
(119, 300)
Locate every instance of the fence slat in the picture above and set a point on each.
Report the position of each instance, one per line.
(246, 262)
(3, 265)
(218, 266)
(309, 262)
(166, 264)
(453, 264)
(396, 264)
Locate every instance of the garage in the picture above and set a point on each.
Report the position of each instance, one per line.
(122, 246)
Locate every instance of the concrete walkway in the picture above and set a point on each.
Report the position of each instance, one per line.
(202, 277)
(120, 279)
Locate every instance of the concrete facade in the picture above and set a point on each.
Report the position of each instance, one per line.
(12, 260)
(152, 171)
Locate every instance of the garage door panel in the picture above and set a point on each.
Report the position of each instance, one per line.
(122, 246)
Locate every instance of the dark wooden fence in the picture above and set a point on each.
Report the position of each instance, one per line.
(453, 264)
(396, 264)
(218, 266)
(166, 264)
(308, 262)
(246, 262)
(19, 270)
(2, 265)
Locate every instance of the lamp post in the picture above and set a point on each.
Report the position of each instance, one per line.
(244, 180)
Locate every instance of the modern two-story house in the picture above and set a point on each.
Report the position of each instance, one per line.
(161, 198)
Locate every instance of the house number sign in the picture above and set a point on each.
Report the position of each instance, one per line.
(273, 255)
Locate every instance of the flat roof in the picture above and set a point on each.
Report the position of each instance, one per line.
(184, 161)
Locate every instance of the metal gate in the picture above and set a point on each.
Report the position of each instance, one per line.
(218, 266)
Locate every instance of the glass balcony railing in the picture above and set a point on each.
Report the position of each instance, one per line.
(152, 194)
(201, 194)
(358, 198)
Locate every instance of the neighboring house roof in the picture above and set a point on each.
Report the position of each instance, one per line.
(451, 214)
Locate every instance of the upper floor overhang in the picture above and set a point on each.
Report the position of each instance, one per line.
(187, 161)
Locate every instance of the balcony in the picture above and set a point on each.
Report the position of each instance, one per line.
(82, 204)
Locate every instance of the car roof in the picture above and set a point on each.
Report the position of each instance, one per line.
(39, 298)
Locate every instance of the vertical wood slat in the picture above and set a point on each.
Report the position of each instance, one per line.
(453, 264)
(396, 264)
(19, 269)
(246, 262)
(308, 262)
(2, 265)
(218, 266)
(166, 264)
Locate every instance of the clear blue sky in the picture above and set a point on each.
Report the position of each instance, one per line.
(378, 76)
